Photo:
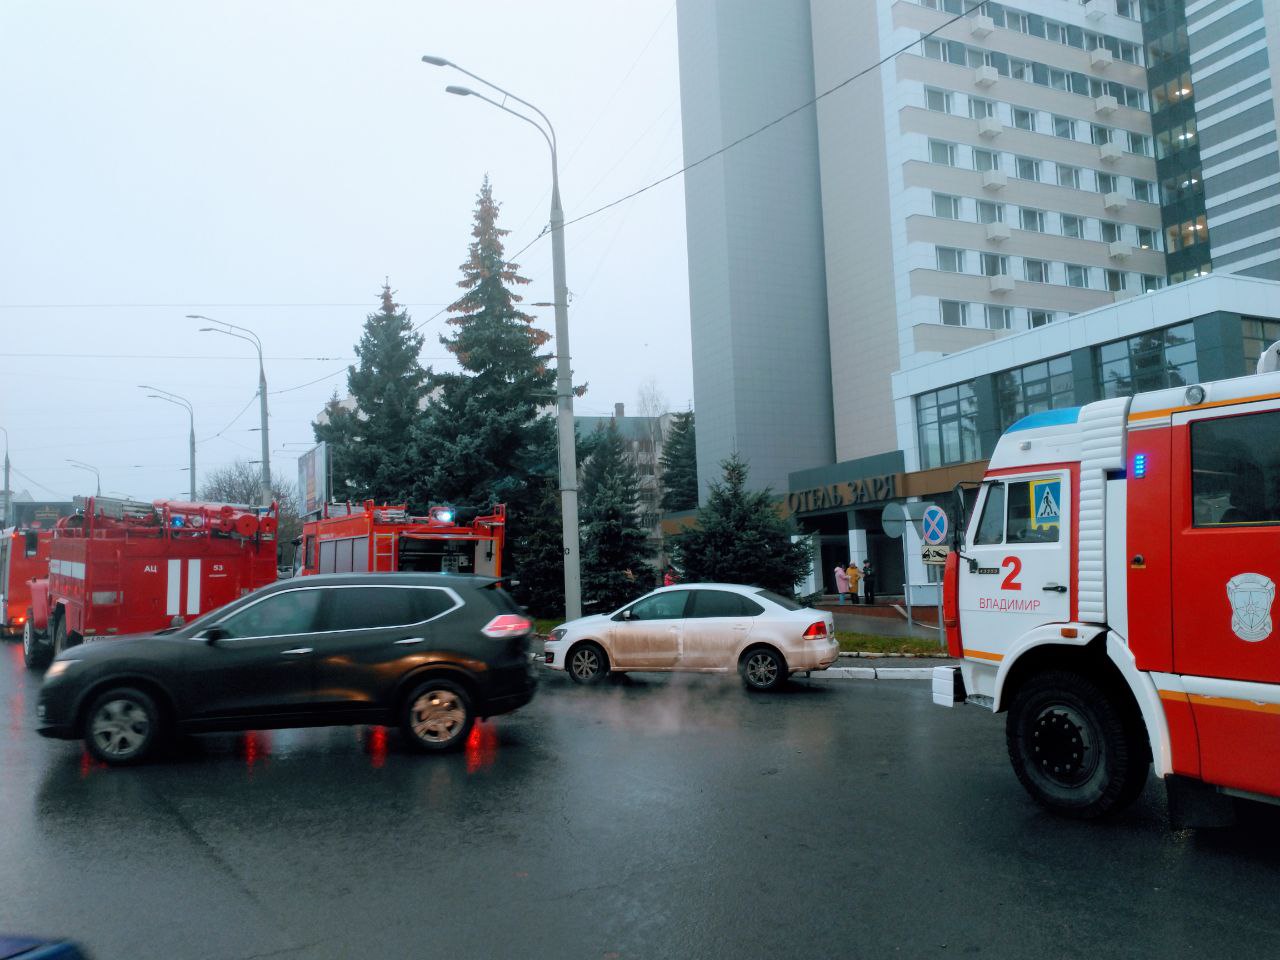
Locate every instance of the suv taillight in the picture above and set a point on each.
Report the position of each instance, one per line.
(816, 631)
(507, 625)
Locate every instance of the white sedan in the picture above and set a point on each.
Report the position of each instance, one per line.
(700, 627)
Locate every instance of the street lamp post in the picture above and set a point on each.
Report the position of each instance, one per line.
(252, 337)
(79, 464)
(178, 401)
(564, 376)
(8, 497)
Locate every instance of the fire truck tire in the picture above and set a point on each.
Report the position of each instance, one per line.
(36, 652)
(587, 663)
(122, 726)
(1074, 746)
(437, 716)
(59, 635)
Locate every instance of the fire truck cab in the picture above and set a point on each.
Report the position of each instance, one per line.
(1114, 592)
(24, 556)
(387, 539)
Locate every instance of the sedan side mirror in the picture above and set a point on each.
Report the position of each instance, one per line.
(624, 615)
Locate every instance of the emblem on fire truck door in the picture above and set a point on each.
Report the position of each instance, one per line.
(1251, 595)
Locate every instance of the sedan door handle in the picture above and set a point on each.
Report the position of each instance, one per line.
(1055, 588)
(408, 640)
(295, 651)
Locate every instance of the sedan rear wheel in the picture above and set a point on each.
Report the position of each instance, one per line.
(763, 669)
(122, 726)
(437, 716)
(588, 663)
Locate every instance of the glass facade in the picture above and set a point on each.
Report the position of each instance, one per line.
(1257, 335)
(1149, 361)
(1031, 389)
(947, 424)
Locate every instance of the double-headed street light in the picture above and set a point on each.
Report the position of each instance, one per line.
(81, 465)
(183, 402)
(564, 376)
(8, 497)
(249, 335)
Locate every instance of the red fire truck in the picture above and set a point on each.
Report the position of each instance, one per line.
(387, 539)
(1115, 591)
(121, 566)
(24, 556)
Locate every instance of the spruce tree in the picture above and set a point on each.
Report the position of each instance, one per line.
(368, 444)
(740, 538)
(615, 549)
(680, 465)
(484, 437)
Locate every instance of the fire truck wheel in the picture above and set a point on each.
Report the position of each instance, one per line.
(122, 726)
(588, 663)
(35, 651)
(59, 635)
(437, 716)
(1074, 746)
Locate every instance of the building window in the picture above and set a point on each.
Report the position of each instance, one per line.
(1144, 190)
(942, 152)
(1072, 226)
(994, 265)
(1047, 385)
(1107, 182)
(1180, 236)
(1258, 335)
(1031, 219)
(1077, 276)
(939, 100)
(1140, 144)
(954, 314)
(984, 160)
(1064, 127)
(998, 317)
(1068, 176)
(1039, 318)
(1150, 283)
(989, 212)
(1025, 168)
(1111, 232)
(947, 421)
(950, 260)
(1181, 187)
(1149, 361)
(1024, 119)
(1127, 9)
(979, 108)
(1115, 280)
(1146, 238)
(1099, 134)
(1175, 139)
(946, 206)
(1036, 271)
(1173, 92)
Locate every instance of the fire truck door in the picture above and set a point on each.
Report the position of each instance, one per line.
(1020, 571)
(1226, 564)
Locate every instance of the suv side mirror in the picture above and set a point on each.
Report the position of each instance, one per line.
(213, 634)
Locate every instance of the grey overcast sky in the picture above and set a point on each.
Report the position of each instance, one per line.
(268, 163)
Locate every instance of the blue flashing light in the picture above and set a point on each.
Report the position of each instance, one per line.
(1139, 466)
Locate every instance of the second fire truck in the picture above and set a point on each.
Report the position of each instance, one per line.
(1114, 593)
(122, 566)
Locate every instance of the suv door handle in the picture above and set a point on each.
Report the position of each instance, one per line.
(295, 651)
(1055, 588)
(408, 640)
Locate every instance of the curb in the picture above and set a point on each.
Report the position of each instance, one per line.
(860, 655)
(874, 673)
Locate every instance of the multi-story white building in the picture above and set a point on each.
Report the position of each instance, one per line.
(975, 176)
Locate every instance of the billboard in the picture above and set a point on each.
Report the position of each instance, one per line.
(313, 479)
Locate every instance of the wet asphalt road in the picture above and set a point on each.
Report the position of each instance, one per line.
(658, 818)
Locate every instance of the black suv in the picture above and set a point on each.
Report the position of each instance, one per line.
(427, 652)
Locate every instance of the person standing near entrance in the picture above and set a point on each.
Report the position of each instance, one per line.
(842, 583)
(869, 580)
(854, 575)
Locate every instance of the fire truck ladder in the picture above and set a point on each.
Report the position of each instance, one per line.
(384, 552)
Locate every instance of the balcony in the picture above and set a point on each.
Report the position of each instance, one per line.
(994, 179)
(1115, 200)
(981, 26)
(1001, 284)
(1119, 250)
(1110, 152)
(1100, 58)
(1106, 104)
(997, 232)
(989, 127)
(985, 75)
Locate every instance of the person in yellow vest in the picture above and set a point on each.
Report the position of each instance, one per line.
(854, 575)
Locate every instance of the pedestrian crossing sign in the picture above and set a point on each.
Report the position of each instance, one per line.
(1046, 500)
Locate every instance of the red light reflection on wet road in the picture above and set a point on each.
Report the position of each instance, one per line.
(88, 764)
(482, 747)
(256, 748)
(377, 746)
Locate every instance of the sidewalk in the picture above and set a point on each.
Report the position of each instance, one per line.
(884, 622)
